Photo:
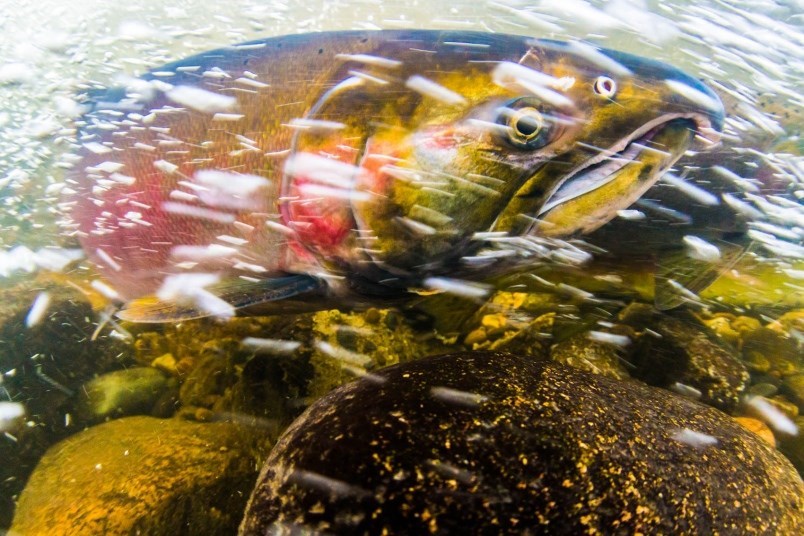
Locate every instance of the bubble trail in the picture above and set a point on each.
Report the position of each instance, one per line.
(189, 289)
(200, 213)
(686, 390)
(742, 207)
(457, 287)
(693, 95)
(457, 397)
(38, 310)
(742, 183)
(342, 354)
(271, 346)
(698, 194)
(436, 91)
(514, 76)
(201, 99)
(772, 416)
(593, 55)
(368, 59)
(105, 290)
(416, 227)
(452, 472)
(322, 170)
(326, 484)
(609, 338)
(631, 214)
(700, 249)
(694, 439)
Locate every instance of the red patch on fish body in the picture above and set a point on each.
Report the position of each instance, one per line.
(317, 194)
(133, 224)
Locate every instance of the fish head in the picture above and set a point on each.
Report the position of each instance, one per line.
(540, 137)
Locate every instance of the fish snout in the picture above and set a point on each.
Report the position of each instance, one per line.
(707, 108)
(684, 95)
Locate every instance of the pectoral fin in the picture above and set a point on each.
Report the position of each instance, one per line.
(223, 298)
(679, 278)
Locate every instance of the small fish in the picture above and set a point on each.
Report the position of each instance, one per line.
(353, 167)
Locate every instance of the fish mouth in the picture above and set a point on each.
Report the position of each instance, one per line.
(601, 169)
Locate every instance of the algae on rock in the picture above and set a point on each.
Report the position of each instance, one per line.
(512, 444)
(346, 345)
(141, 475)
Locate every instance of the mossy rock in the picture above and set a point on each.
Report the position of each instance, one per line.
(141, 475)
(349, 344)
(132, 391)
(502, 444)
(678, 348)
(44, 367)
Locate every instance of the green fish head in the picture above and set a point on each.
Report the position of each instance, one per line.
(524, 136)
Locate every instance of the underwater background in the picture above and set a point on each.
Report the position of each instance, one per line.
(116, 427)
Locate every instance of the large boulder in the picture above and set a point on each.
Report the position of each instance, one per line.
(498, 443)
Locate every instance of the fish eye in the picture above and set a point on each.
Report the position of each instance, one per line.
(605, 86)
(527, 127)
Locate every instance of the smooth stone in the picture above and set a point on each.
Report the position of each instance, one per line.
(496, 443)
(133, 391)
(759, 428)
(763, 389)
(140, 475)
(166, 363)
(785, 407)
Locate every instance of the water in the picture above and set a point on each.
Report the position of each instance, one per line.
(234, 385)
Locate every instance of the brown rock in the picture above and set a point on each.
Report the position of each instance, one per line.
(677, 348)
(140, 475)
(509, 444)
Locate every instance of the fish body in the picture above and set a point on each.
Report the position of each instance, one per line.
(365, 163)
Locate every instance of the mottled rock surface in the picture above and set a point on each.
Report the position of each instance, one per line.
(140, 475)
(507, 444)
(678, 348)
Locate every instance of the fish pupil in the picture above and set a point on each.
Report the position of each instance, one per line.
(528, 125)
(527, 128)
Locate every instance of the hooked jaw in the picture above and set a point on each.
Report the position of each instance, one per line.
(687, 103)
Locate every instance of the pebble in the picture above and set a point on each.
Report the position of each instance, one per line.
(166, 363)
(759, 428)
(133, 391)
(684, 352)
(763, 389)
